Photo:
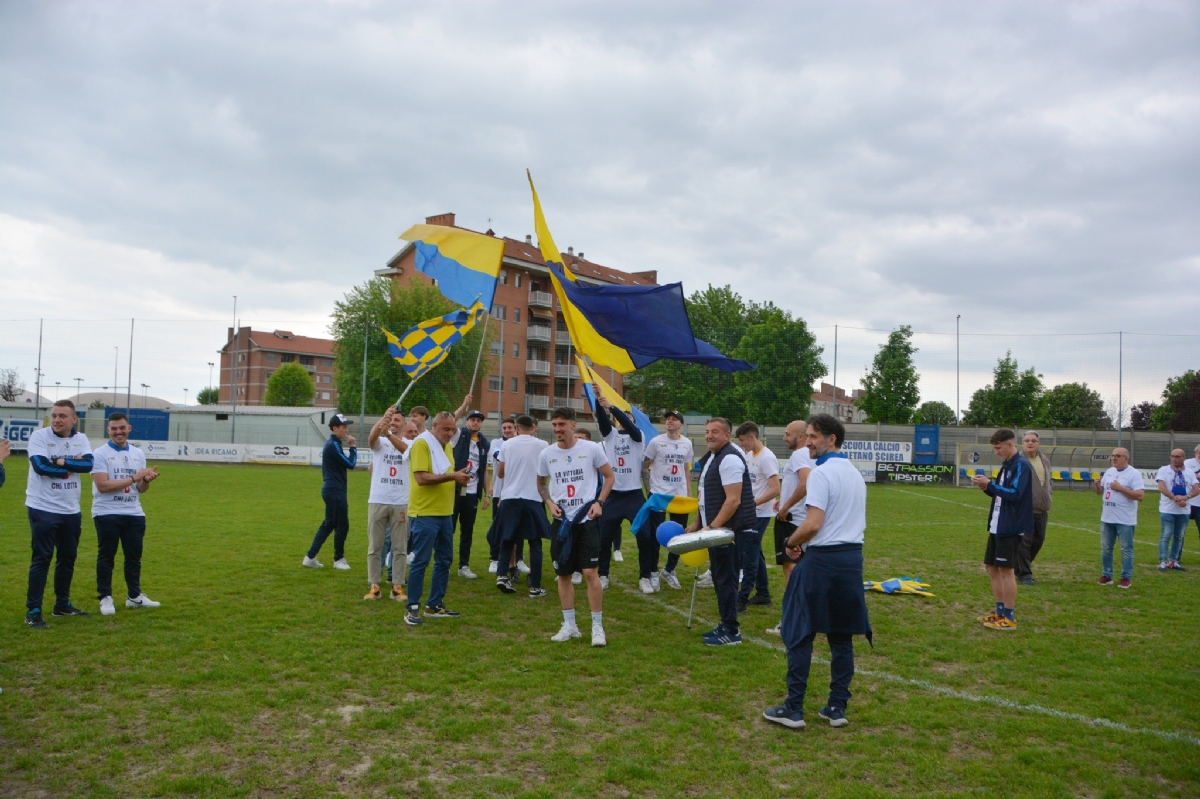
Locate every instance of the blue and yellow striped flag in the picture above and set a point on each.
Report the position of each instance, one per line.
(426, 345)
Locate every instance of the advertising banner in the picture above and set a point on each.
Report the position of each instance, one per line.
(18, 431)
(921, 473)
(201, 452)
(282, 453)
(867, 455)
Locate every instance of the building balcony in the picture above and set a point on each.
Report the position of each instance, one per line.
(566, 370)
(537, 333)
(541, 368)
(570, 402)
(536, 401)
(541, 299)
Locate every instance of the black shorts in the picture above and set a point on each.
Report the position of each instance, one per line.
(1002, 551)
(585, 547)
(783, 531)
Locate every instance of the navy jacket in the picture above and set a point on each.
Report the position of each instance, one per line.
(1, 474)
(1014, 487)
(335, 463)
(462, 452)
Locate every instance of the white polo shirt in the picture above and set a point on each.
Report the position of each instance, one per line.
(118, 464)
(836, 487)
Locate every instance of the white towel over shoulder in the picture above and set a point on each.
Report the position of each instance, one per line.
(437, 455)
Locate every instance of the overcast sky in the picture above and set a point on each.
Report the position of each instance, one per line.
(1031, 166)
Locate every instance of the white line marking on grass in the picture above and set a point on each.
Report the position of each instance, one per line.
(942, 690)
(1056, 524)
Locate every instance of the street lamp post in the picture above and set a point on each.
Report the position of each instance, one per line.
(78, 387)
(957, 374)
(210, 368)
(185, 396)
(57, 383)
(145, 388)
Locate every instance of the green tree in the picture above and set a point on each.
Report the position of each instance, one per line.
(1014, 398)
(290, 386)
(377, 305)
(207, 396)
(789, 362)
(890, 387)
(1180, 408)
(933, 412)
(1074, 405)
(1141, 414)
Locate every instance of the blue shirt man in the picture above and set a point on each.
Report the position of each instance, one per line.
(335, 462)
(1010, 517)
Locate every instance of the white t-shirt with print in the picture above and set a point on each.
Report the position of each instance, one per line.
(1118, 508)
(625, 456)
(118, 464)
(389, 474)
(669, 464)
(1172, 478)
(837, 487)
(1193, 465)
(520, 456)
(475, 455)
(733, 469)
(763, 467)
(574, 474)
(55, 494)
(790, 479)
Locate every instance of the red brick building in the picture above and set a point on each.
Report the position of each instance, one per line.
(260, 353)
(533, 365)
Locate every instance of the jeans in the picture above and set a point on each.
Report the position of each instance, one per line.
(1030, 545)
(432, 536)
(1170, 543)
(337, 521)
(754, 566)
(466, 508)
(1109, 534)
(841, 670)
(647, 544)
(724, 564)
(51, 531)
(128, 532)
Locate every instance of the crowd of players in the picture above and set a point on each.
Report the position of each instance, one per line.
(429, 477)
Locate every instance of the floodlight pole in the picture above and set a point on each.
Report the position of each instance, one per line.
(129, 379)
(1120, 382)
(233, 375)
(835, 354)
(500, 392)
(957, 373)
(37, 389)
(362, 408)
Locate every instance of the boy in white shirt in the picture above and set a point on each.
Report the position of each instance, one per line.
(1122, 489)
(764, 482)
(666, 466)
(387, 505)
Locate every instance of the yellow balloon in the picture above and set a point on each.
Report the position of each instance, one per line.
(695, 559)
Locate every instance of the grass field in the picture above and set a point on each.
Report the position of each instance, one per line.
(259, 678)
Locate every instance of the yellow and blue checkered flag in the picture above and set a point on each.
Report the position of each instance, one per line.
(426, 345)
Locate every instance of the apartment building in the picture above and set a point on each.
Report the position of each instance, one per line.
(836, 402)
(259, 354)
(533, 365)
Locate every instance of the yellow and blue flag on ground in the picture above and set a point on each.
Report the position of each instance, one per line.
(625, 327)
(426, 345)
(659, 503)
(900, 585)
(464, 263)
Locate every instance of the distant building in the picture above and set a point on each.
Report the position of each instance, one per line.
(533, 366)
(836, 402)
(260, 353)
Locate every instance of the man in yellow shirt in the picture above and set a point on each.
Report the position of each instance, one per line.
(431, 517)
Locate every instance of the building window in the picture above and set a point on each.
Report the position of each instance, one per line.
(287, 358)
(514, 385)
(266, 375)
(496, 348)
(499, 311)
(324, 395)
(503, 277)
(516, 316)
(495, 383)
(306, 360)
(516, 350)
(327, 363)
(241, 357)
(517, 280)
(270, 357)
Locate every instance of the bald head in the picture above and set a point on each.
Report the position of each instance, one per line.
(793, 434)
(1177, 458)
(1120, 458)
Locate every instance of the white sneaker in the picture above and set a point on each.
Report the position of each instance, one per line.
(312, 563)
(604, 583)
(142, 601)
(466, 573)
(598, 638)
(672, 580)
(567, 632)
(341, 565)
(617, 556)
(491, 567)
(654, 582)
(705, 580)
(576, 578)
(522, 568)
(106, 607)
(775, 630)
(644, 585)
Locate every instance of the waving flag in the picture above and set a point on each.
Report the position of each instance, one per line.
(625, 327)
(426, 345)
(659, 503)
(464, 263)
(589, 376)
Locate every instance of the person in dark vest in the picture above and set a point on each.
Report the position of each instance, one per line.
(825, 592)
(726, 501)
(470, 448)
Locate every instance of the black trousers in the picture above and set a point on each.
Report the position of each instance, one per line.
(724, 562)
(466, 508)
(337, 521)
(535, 559)
(754, 566)
(621, 507)
(493, 538)
(128, 532)
(1030, 545)
(647, 543)
(841, 669)
(51, 532)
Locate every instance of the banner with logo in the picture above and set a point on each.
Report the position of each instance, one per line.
(282, 453)
(201, 452)
(18, 431)
(867, 455)
(920, 473)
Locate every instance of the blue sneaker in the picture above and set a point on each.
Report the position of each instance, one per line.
(835, 715)
(780, 714)
(412, 617)
(1176, 566)
(724, 639)
(714, 632)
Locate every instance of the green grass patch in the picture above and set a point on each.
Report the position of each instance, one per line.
(258, 678)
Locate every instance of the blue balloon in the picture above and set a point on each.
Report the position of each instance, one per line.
(668, 530)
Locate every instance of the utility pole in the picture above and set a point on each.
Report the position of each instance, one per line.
(233, 375)
(362, 409)
(835, 348)
(957, 373)
(37, 392)
(129, 381)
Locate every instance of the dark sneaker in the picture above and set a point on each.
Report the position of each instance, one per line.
(536, 592)
(69, 610)
(413, 618)
(724, 639)
(505, 585)
(836, 716)
(1105, 580)
(1124, 583)
(1026, 581)
(792, 719)
(742, 605)
(34, 619)
(714, 632)
(1177, 566)
(441, 612)
(758, 599)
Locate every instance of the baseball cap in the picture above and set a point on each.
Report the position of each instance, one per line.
(676, 414)
(476, 415)
(339, 418)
